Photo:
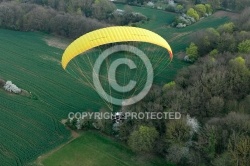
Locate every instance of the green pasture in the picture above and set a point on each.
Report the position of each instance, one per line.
(92, 149)
(30, 127)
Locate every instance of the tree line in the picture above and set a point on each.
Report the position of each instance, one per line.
(102, 10)
(31, 17)
(184, 5)
(71, 19)
(226, 38)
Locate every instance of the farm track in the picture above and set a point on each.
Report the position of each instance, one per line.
(74, 136)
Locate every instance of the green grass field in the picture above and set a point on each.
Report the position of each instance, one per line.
(92, 149)
(31, 127)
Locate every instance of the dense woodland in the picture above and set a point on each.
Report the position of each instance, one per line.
(66, 18)
(31, 17)
(215, 90)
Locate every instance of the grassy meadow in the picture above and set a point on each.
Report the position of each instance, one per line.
(93, 149)
(32, 126)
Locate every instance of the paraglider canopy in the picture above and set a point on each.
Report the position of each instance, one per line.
(112, 35)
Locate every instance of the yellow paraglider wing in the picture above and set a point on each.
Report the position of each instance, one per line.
(112, 35)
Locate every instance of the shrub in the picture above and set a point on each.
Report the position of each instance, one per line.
(143, 139)
(193, 13)
(244, 46)
(192, 52)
